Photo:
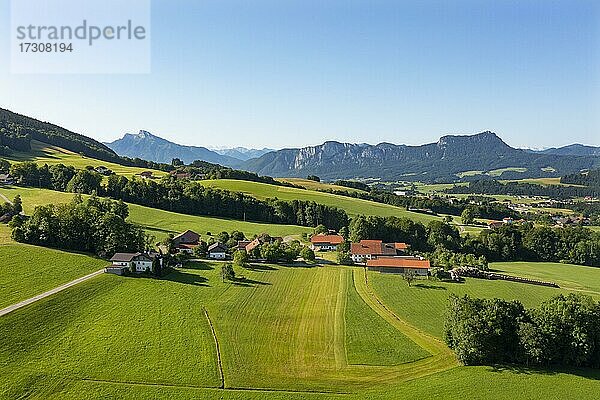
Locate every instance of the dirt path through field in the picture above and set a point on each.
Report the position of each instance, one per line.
(57, 289)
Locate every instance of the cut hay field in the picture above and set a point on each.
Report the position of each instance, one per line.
(43, 153)
(282, 333)
(351, 205)
(158, 222)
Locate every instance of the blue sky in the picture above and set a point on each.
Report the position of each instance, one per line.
(295, 73)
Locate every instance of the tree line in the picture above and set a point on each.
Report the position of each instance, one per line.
(564, 331)
(482, 207)
(94, 225)
(181, 196)
(588, 178)
(510, 242)
(493, 187)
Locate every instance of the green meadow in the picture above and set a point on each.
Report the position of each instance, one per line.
(43, 153)
(282, 333)
(424, 304)
(351, 205)
(26, 271)
(159, 223)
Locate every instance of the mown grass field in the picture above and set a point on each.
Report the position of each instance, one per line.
(350, 205)
(283, 333)
(423, 305)
(43, 153)
(158, 222)
(567, 276)
(26, 271)
(313, 185)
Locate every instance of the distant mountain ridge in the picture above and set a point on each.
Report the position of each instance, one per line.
(150, 147)
(441, 161)
(571, 150)
(242, 153)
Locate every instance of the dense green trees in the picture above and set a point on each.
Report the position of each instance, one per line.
(588, 178)
(180, 196)
(563, 331)
(196, 199)
(493, 187)
(94, 225)
(510, 242)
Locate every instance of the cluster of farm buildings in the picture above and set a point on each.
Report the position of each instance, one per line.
(373, 254)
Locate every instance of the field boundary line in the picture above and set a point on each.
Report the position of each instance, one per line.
(219, 362)
(213, 388)
(50, 292)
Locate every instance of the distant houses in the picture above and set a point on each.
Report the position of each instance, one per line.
(102, 170)
(6, 179)
(323, 242)
(186, 241)
(366, 250)
(130, 262)
(217, 251)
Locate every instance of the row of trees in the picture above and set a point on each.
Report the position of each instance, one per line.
(563, 331)
(493, 187)
(94, 225)
(510, 242)
(179, 196)
(588, 178)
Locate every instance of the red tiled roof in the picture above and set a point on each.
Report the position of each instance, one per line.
(399, 262)
(376, 247)
(253, 244)
(366, 247)
(327, 239)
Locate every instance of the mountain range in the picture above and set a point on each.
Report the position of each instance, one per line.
(242, 153)
(153, 148)
(572, 150)
(483, 155)
(452, 157)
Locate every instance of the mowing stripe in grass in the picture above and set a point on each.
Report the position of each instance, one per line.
(214, 334)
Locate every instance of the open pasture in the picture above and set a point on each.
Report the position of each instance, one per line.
(43, 153)
(351, 205)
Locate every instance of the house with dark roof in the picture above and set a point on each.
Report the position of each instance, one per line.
(322, 242)
(370, 249)
(186, 241)
(6, 179)
(400, 265)
(135, 262)
(217, 251)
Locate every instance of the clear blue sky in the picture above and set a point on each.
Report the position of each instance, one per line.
(295, 73)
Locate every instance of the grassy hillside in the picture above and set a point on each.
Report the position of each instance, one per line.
(43, 153)
(350, 205)
(158, 222)
(27, 270)
(283, 333)
(312, 185)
